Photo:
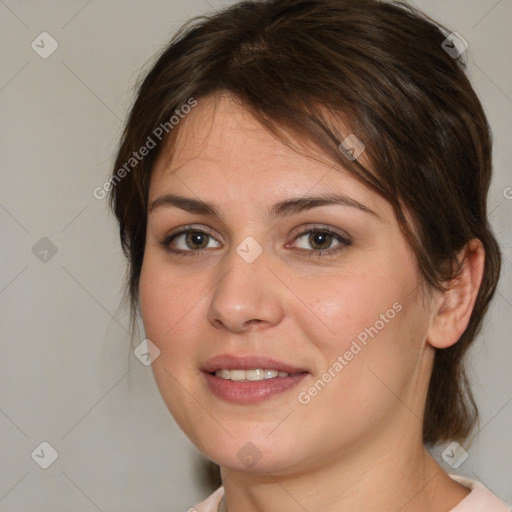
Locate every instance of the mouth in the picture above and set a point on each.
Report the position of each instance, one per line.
(254, 375)
(250, 379)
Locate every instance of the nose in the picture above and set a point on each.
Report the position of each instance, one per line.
(247, 296)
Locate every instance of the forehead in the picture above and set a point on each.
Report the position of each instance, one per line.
(221, 150)
(220, 129)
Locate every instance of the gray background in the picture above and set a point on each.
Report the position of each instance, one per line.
(67, 373)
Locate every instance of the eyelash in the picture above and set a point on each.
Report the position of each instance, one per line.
(344, 242)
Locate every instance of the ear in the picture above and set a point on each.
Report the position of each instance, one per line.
(452, 309)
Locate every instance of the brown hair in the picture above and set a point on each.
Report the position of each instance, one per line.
(381, 69)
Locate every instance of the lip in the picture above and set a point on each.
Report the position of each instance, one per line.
(239, 392)
(230, 362)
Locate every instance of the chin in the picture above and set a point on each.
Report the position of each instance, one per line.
(250, 458)
(253, 453)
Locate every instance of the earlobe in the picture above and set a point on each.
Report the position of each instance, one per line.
(453, 309)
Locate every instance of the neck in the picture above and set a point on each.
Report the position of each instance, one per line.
(398, 476)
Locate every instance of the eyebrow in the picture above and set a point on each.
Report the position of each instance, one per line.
(278, 210)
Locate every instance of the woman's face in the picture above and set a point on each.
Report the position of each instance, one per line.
(269, 279)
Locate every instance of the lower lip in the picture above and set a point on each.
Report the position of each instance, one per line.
(250, 392)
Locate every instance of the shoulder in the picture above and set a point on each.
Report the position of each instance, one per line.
(211, 503)
(480, 499)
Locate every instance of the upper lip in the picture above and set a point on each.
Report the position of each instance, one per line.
(248, 362)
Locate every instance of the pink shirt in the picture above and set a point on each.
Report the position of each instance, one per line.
(480, 499)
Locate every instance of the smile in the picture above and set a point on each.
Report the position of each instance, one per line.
(249, 379)
(250, 375)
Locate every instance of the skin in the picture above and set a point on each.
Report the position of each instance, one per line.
(357, 444)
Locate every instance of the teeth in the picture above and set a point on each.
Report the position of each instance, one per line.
(254, 374)
(250, 375)
(237, 374)
(270, 374)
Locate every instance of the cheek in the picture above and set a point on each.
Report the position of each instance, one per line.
(362, 300)
(167, 300)
(366, 329)
(170, 306)
(345, 307)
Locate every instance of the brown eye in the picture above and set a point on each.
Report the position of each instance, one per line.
(196, 240)
(189, 241)
(321, 242)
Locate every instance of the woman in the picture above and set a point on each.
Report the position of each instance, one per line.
(301, 192)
